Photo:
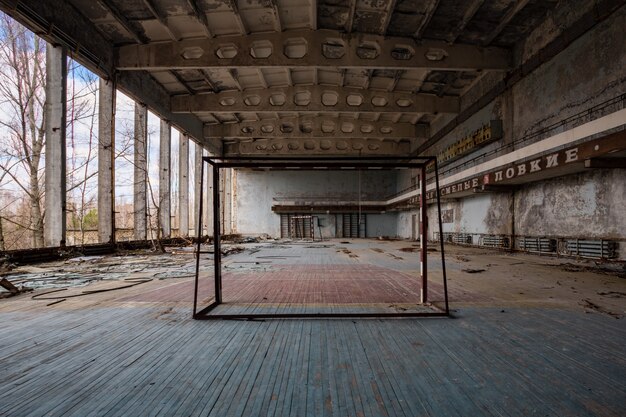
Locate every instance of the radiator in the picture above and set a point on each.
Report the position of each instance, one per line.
(462, 239)
(536, 244)
(495, 241)
(589, 248)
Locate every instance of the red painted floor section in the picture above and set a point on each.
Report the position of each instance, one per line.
(308, 284)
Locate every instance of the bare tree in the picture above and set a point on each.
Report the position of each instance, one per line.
(124, 149)
(2, 245)
(153, 209)
(82, 111)
(22, 97)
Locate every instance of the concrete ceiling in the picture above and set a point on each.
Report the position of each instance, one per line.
(280, 72)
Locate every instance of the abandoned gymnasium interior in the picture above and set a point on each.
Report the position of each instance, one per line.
(312, 208)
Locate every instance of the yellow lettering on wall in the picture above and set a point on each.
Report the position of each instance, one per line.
(467, 144)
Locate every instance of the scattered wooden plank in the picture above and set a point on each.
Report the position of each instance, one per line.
(6, 284)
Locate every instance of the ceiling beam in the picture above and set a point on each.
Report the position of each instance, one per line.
(200, 16)
(314, 99)
(317, 146)
(235, 9)
(182, 81)
(122, 20)
(389, 13)
(519, 5)
(277, 23)
(350, 19)
(162, 19)
(316, 127)
(314, 14)
(430, 11)
(324, 48)
(467, 16)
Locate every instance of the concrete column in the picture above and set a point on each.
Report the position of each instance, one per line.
(197, 187)
(424, 237)
(106, 162)
(183, 178)
(165, 159)
(221, 192)
(233, 201)
(208, 199)
(140, 190)
(55, 169)
(227, 199)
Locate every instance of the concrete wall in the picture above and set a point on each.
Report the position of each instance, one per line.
(482, 213)
(588, 72)
(326, 225)
(591, 204)
(585, 205)
(403, 225)
(257, 191)
(405, 178)
(379, 225)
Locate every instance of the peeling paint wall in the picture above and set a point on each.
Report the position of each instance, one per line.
(484, 213)
(591, 70)
(404, 223)
(590, 204)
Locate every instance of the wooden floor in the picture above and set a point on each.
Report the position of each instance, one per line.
(115, 354)
(136, 361)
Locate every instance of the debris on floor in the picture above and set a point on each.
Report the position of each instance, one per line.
(126, 283)
(417, 248)
(348, 252)
(85, 270)
(231, 250)
(590, 306)
(610, 268)
(11, 289)
(6, 284)
(473, 270)
(612, 294)
(191, 250)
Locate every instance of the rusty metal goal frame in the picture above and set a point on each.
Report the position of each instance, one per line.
(330, 163)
